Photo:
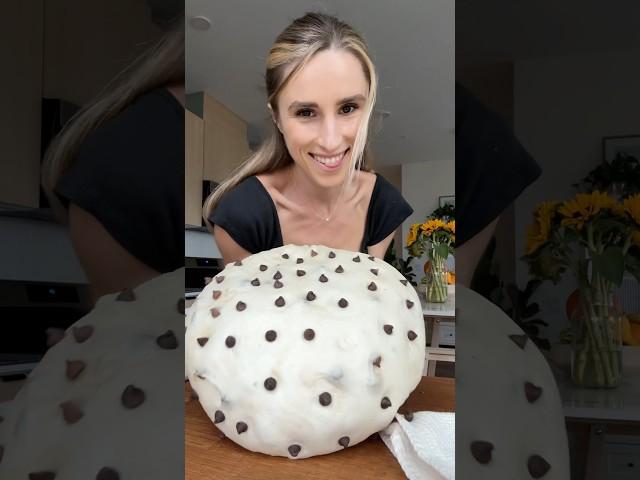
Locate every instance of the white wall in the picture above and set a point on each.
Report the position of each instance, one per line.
(422, 184)
(563, 106)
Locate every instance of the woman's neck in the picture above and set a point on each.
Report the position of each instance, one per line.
(322, 202)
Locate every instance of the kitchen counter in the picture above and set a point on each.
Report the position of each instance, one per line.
(209, 455)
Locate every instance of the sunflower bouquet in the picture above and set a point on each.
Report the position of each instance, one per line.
(597, 239)
(437, 237)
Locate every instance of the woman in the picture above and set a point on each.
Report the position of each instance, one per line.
(310, 183)
(115, 174)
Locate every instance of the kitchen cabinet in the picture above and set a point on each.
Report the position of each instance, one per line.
(216, 144)
(193, 164)
(225, 140)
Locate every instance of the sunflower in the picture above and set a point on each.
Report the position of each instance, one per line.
(451, 226)
(583, 207)
(631, 207)
(413, 234)
(538, 232)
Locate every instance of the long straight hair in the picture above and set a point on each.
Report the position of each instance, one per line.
(296, 45)
(160, 65)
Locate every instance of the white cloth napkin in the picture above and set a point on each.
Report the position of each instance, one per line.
(424, 447)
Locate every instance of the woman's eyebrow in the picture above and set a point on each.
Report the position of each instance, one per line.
(296, 104)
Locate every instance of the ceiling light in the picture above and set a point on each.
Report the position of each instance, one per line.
(200, 22)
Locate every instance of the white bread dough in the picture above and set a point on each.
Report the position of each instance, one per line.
(295, 366)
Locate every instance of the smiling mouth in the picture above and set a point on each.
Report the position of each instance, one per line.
(329, 162)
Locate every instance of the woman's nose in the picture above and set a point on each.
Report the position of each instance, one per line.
(330, 137)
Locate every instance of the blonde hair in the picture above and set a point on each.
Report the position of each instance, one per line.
(296, 45)
(162, 64)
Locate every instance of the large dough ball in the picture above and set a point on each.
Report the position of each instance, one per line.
(107, 400)
(509, 421)
(303, 350)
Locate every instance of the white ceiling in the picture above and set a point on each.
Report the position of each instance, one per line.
(412, 44)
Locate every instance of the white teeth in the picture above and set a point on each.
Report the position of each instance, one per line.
(329, 161)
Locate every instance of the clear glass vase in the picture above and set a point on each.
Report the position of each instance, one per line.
(436, 290)
(596, 353)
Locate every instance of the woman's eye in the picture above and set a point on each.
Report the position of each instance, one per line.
(305, 112)
(348, 108)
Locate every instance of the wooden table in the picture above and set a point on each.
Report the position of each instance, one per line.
(210, 456)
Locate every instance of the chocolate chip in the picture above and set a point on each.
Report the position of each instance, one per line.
(343, 303)
(344, 442)
(42, 475)
(520, 340)
(202, 341)
(220, 279)
(323, 279)
(71, 412)
(54, 335)
(538, 466)
(374, 271)
(532, 392)
(412, 335)
(263, 268)
(325, 399)
(332, 255)
(409, 304)
(82, 334)
(167, 340)
(216, 294)
(356, 259)
(481, 451)
(74, 368)
(107, 473)
(299, 260)
(388, 329)
(215, 312)
(277, 275)
(339, 269)
(181, 306)
(241, 427)
(237, 263)
(133, 397)
(270, 336)
(404, 282)
(372, 258)
(313, 253)
(372, 286)
(408, 416)
(300, 273)
(311, 296)
(270, 383)
(294, 450)
(126, 295)
(230, 341)
(285, 256)
(218, 417)
(309, 334)
(385, 403)
(200, 376)
(279, 302)
(278, 284)
(255, 282)
(377, 361)
(241, 306)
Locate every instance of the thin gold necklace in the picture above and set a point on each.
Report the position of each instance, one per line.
(332, 210)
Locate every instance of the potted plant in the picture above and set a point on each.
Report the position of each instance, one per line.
(595, 237)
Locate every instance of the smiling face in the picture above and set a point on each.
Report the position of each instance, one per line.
(319, 112)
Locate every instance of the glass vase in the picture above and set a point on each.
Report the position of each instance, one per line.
(436, 290)
(596, 353)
